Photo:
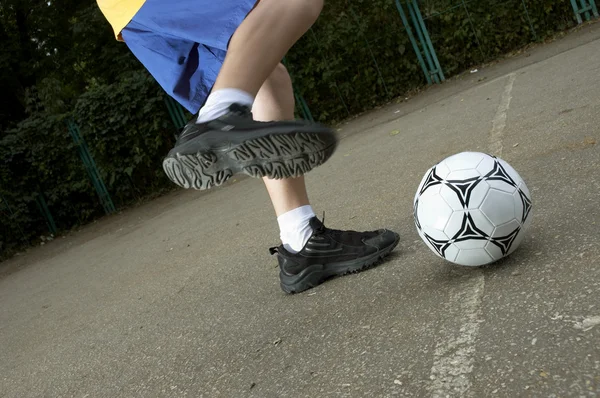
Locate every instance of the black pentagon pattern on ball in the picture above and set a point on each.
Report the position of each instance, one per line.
(463, 188)
(440, 246)
(499, 174)
(415, 215)
(505, 242)
(469, 231)
(431, 180)
(526, 204)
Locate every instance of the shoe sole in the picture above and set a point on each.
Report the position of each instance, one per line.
(274, 156)
(319, 273)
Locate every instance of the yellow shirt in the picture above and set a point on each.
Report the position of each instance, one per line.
(119, 13)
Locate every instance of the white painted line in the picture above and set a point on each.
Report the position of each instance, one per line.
(499, 122)
(453, 356)
(454, 353)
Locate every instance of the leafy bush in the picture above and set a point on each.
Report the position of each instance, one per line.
(39, 157)
(335, 66)
(128, 130)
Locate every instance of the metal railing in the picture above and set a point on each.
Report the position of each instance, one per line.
(91, 168)
(587, 8)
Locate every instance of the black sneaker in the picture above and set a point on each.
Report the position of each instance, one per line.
(329, 253)
(208, 154)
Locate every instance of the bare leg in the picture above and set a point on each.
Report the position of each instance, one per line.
(253, 55)
(309, 254)
(262, 40)
(275, 101)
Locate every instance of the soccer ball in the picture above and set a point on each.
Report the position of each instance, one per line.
(472, 209)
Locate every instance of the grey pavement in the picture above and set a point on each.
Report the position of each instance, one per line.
(179, 297)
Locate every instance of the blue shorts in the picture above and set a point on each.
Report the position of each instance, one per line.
(182, 43)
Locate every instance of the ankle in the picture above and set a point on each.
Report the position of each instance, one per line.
(218, 103)
(295, 229)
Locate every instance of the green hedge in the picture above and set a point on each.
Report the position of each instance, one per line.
(356, 57)
(335, 70)
(128, 130)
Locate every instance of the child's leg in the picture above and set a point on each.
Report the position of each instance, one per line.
(193, 46)
(276, 150)
(256, 47)
(310, 253)
(263, 39)
(275, 101)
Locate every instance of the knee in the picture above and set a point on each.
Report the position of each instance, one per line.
(275, 99)
(280, 77)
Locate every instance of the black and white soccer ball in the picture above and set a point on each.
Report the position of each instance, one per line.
(472, 209)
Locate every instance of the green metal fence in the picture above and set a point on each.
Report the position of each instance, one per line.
(91, 168)
(42, 206)
(177, 112)
(423, 46)
(421, 25)
(587, 8)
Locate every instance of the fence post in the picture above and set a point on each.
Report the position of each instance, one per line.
(176, 112)
(587, 8)
(414, 43)
(483, 57)
(90, 166)
(529, 20)
(43, 208)
(432, 69)
(594, 8)
(423, 33)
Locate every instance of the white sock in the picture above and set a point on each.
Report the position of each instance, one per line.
(218, 102)
(294, 228)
